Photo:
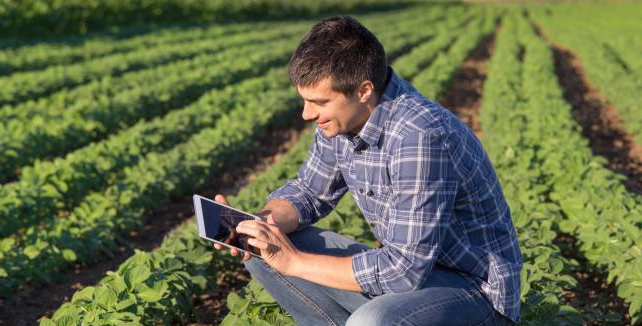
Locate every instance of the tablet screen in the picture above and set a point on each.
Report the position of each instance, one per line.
(219, 222)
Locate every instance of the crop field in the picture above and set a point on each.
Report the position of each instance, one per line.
(111, 118)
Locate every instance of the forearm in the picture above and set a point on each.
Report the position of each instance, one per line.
(283, 213)
(330, 271)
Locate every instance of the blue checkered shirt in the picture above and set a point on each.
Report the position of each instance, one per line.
(429, 192)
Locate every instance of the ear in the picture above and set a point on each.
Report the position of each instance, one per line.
(365, 91)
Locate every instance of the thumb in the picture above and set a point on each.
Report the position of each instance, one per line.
(270, 219)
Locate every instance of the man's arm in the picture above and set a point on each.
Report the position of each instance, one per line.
(284, 214)
(330, 271)
(318, 187)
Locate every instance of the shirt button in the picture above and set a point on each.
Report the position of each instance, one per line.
(361, 190)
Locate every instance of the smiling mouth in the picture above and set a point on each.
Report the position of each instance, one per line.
(323, 124)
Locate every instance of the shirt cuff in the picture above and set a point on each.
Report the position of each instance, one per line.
(302, 210)
(364, 266)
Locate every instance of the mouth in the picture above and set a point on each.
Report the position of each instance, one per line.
(323, 124)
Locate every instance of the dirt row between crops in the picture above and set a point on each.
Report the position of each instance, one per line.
(30, 303)
(603, 128)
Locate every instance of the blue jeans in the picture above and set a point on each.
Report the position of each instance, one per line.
(446, 297)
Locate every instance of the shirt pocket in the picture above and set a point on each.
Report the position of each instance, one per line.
(378, 201)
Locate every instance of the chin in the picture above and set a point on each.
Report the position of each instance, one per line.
(328, 133)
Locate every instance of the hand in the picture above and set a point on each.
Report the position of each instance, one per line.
(233, 251)
(276, 248)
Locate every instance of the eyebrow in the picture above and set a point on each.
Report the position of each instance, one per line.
(316, 100)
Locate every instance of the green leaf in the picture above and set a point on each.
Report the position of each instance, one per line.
(236, 303)
(67, 320)
(69, 255)
(151, 295)
(556, 265)
(125, 304)
(85, 294)
(6, 244)
(47, 322)
(31, 252)
(264, 297)
(105, 297)
(137, 275)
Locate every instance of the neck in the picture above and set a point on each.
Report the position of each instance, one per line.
(370, 106)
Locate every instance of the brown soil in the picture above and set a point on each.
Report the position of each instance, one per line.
(596, 299)
(600, 124)
(465, 95)
(211, 306)
(32, 302)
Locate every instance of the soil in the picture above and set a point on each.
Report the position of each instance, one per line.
(210, 307)
(594, 297)
(464, 97)
(30, 303)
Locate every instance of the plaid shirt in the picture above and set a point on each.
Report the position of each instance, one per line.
(429, 192)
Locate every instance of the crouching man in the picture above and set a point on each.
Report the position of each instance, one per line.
(449, 253)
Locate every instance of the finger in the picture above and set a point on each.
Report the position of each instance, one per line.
(246, 256)
(220, 199)
(218, 246)
(260, 232)
(234, 251)
(258, 243)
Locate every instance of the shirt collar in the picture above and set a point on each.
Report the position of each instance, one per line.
(371, 131)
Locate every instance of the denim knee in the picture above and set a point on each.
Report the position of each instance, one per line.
(372, 315)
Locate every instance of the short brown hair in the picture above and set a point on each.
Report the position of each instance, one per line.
(342, 48)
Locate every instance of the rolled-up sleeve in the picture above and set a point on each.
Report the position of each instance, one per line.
(319, 184)
(423, 193)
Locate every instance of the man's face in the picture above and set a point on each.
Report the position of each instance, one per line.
(334, 112)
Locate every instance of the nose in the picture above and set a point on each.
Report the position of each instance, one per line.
(309, 113)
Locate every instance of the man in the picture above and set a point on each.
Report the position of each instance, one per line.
(449, 253)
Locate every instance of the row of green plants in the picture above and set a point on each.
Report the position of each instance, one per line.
(172, 276)
(46, 17)
(54, 126)
(439, 75)
(597, 209)
(28, 55)
(31, 85)
(31, 55)
(49, 188)
(618, 27)
(602, 58)
(423, 55)
(104, 218)
(546, 271)
(99, 221)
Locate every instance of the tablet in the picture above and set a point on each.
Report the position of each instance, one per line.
(215, 222)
